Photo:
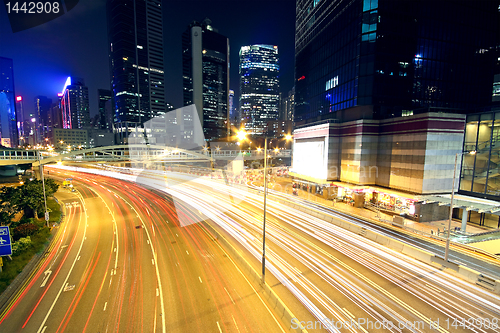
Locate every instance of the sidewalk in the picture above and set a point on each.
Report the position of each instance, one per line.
(435, 228)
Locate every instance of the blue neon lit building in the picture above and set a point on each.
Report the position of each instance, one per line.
(8, 129)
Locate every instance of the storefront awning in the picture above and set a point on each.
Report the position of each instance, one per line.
(465, 202)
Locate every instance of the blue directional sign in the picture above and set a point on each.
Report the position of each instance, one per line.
(5, 245)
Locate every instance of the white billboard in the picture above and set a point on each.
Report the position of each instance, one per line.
(309, 158)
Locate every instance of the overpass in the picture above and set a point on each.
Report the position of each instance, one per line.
(131, 152)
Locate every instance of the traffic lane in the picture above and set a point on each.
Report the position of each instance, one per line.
(47, 290)
(465, 257)
(117, 313)
(132, 282)
(213, 283)
(359, 258)
(433, 313)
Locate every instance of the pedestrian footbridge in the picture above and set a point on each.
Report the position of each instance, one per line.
(132, 152)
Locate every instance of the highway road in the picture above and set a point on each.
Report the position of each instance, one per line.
(338, 276)
(121, 262)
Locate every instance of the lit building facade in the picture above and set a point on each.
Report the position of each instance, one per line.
(259, 87)
(205, 73)
(105, 110)
(66, 138)
(382, 89)
(135, 34)
(75, 104)
(20, 120)
(288, 106)
(43, 116)
(377, 59)
(481, 171)
(8, 121)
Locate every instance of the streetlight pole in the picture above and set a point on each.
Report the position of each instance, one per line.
(241, 136)
(264, 222)
(43, 187)
(447, 249)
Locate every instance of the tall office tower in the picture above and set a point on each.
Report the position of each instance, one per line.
(205, 73)
(288, 106)
(377, 59)
(20, 120)
(381, 84)
(105, 112)
(8, 124)
(43, 116)
(135, 34)
(75, 104)
(259, 86)
(55, 116)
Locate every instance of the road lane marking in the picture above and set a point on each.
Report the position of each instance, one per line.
(229, 295)
(200, 279)
(235, 323)
(44, 329)
(46, 278)
(219, 327)
(69, 273)
(105, 304)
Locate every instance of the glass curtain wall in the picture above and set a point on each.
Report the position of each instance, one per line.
(481, 172)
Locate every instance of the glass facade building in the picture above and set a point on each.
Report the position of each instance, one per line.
(105, 113)
(43, 106)
(135, 34)
(8, 129)
(75, 104)
(481, 171)
(378, 59)
(259, 87)
(205, 73)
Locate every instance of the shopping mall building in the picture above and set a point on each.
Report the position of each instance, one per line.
(383, 90)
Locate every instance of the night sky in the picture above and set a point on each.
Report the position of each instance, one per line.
(75, 44)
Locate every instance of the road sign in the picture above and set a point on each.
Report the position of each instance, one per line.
(5, 245)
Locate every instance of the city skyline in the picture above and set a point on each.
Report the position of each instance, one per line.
(87, 56)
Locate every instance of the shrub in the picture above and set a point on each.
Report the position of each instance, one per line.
(21, 245)
(24, 230)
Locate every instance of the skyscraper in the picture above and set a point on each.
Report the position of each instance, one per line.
(8, 129)
(381, 85)
(377, 59)
(43, 116)
(205, 73)
(75, 104)
(135, 34)
(259, 86)
(288, 106)
(105, 110)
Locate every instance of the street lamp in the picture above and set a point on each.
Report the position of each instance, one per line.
(447, 249)
(43, 187)
(33, 120)
(242, 136)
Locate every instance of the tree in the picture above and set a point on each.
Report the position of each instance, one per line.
(10, 198)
